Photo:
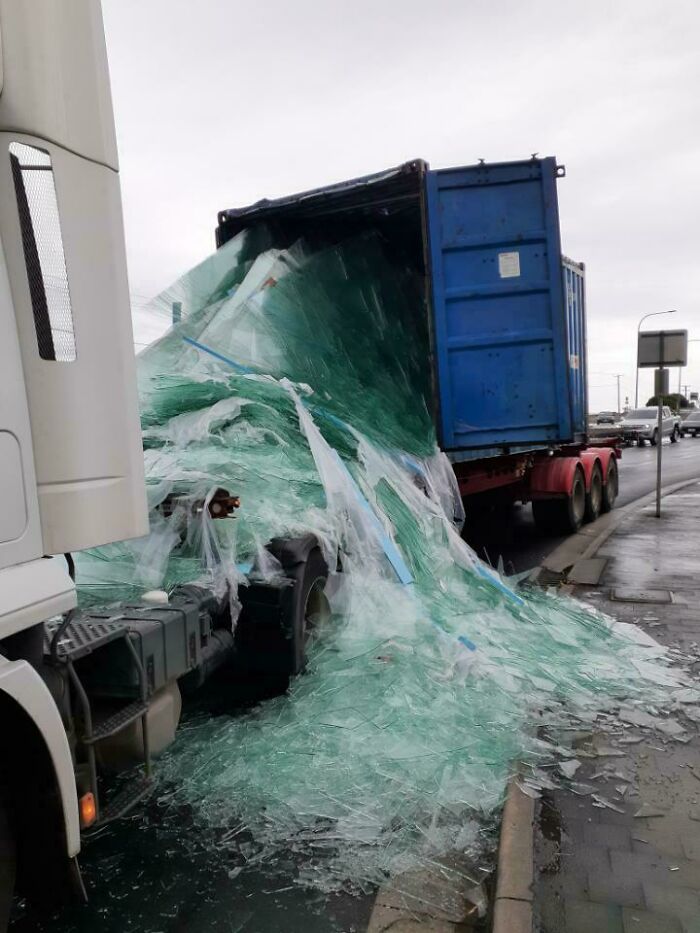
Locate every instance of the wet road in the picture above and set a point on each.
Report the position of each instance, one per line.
(154, 874)
(522, 546)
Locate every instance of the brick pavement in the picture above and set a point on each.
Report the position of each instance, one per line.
(636, 868)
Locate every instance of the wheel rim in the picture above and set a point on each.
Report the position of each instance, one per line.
(596, 492)
(578, 498)
(317, 610)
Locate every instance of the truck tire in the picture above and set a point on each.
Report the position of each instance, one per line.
(675, 434)
(564, 515)
(594, 496)
(7, 867)
(654, 439)
(311, 607)
(274, 649)
(611, 486)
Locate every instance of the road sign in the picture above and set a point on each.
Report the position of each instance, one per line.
(662, 348)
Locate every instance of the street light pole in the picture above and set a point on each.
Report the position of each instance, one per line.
(639, 327)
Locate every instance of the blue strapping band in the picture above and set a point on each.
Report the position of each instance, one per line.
(219, 356)
(392, 552)
(499, 584)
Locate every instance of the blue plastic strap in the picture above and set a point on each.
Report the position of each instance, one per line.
(219, 356)
(392, 552)
(499, 584)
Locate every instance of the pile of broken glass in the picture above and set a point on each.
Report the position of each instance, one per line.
(298, 379)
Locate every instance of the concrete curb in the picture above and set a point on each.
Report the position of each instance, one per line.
(512, 912)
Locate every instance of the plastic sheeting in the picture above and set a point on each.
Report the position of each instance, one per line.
(298, 379)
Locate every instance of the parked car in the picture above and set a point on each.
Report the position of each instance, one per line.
(691, 424)
(607, 417)
(641, 425)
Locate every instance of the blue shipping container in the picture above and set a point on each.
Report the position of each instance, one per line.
(508, 336)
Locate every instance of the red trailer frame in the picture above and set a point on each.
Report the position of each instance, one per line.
(566, 485)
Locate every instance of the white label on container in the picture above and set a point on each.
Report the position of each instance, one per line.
(573, 361)
(509, 265)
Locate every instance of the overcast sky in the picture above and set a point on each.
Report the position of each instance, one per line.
(219, 103)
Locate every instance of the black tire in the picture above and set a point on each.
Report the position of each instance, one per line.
(594, 496)
(8, 864)
(272, 647)
(675, 434)
(611, 487)
(311, 606)
(641, 442)
(566, 514)
(654, 440)
(573, 508)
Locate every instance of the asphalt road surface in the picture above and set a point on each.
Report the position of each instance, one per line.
(517, 541)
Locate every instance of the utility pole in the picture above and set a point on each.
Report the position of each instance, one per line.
(660, 389)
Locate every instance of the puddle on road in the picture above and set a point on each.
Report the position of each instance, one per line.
(146, 876)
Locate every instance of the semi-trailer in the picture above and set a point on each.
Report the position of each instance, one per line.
(506, 319)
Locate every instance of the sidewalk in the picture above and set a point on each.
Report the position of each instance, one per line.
(625, 857)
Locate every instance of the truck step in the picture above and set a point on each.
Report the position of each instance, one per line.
(124, 801)
(82, 636)
(117, 721)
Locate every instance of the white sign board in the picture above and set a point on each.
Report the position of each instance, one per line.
(663, 348)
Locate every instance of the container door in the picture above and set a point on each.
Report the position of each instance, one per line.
(574, 297)
(500, 330)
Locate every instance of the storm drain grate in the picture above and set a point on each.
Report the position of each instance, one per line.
(625, 594)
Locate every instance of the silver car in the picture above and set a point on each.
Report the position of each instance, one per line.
(641, 425)
(691, 424)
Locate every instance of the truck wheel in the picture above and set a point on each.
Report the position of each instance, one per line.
(675, 434)
(311, 606)
(272, 644)
(654, 438)
(641, 442)
(594, 496)
(611, 486)
(573, 508)
(565, 515)
(7, 868)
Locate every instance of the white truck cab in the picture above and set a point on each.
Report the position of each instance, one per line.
(71, 464)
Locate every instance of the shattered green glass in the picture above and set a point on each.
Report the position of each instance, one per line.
(298, 379)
